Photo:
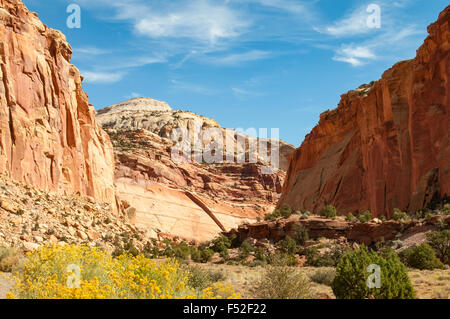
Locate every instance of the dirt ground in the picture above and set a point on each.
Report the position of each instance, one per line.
(428, 284)
(5, 284)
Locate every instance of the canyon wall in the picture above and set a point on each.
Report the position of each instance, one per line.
(386, 145)
(49, 136)
(190, 200)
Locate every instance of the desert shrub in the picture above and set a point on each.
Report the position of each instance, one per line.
(182, 251)
(328, 259)
(440, 242)
(350, 218)
(202, 256)
(261, 255)
(324, 276)
(365, 217)
(282, 259)
(352, 276)
(423, 257)
(300, 235)
(289, 246)
(46, 276)
(398, 215)
(200, 278)
(286, 211)
(446, 209)
(245, 250)
(9, 259)
(329, 212)
(404, 254)
(305, 214)
(283, 283)
(220, 244)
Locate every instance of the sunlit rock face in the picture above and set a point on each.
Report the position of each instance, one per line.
(387, 145)
(149, 179)
(49, 136)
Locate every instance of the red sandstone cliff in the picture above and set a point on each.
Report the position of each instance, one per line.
(48, 133)
(387, 145)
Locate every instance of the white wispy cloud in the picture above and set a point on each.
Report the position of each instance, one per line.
(239, 58)
(101, 77)
(353, 24)
(296, 7)
(204, 21)
(192, 87)
(355, 55)
(91, 51)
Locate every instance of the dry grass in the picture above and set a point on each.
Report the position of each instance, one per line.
(428, 284)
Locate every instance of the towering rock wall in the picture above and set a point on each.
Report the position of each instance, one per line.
(48, 133)
(387, 145)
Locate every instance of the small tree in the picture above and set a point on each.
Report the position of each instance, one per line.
(329, 212)
(289, 246)
(286, 211)
(399, 215)
(423, 257)
(352, 277)
(365, 217)
(301, 235)
(440, 242)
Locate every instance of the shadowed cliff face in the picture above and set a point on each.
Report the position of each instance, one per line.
(48, 133)
(387, 145)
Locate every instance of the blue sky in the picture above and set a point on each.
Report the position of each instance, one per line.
(245, 63)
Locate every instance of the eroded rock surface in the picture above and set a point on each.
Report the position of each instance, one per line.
(49, 136)
(387, 144)
(148, 179)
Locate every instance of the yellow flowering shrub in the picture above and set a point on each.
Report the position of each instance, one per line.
(82, 272)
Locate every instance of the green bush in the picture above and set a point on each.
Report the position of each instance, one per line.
(300, 235)
(423, 257)
(201, 278)
(328, 259)
(261, 255)
(283, 283)
(245, 250)
(282, 259)
(329, 212)
(440, 242)
(286, 211)
(446, 209)
(289, 246)
(350, 218)
(352, 276)
(398, 215)
(202, 256)
(365, 217)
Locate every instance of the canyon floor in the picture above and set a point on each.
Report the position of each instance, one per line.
(428, 284)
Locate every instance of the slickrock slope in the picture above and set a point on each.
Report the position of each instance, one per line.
(387, 144)
(160, 192)
(49, 136)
